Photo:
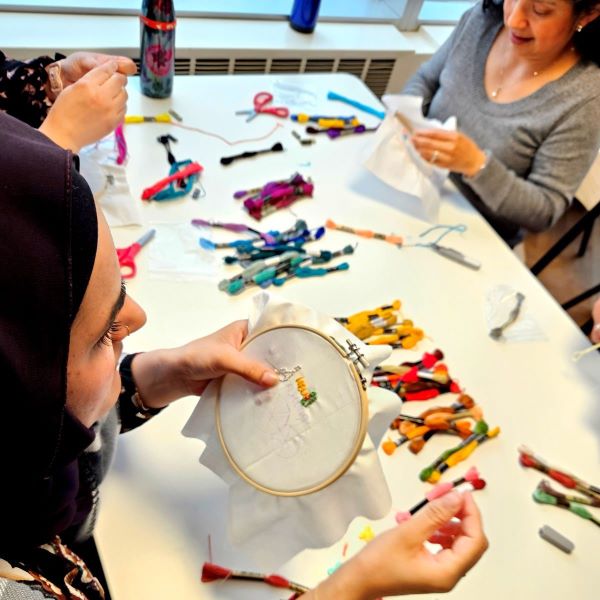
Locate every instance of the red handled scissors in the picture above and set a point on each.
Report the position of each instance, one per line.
(261, 102)
(127, 255)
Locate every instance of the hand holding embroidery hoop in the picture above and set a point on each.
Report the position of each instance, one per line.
(303, 434)
(302, 472)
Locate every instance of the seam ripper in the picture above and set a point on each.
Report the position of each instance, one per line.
(456, 256)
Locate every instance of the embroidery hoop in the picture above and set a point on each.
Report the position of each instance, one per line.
(361, 405)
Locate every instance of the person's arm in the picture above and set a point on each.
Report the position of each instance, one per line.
(559, 166)
(426, 81)
(23, 88)
(398, 563)
(538, 200)
(160, 377)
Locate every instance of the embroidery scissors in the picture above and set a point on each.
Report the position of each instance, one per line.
(261, 102)
(127, 255)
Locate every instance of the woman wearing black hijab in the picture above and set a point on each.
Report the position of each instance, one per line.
(63, 316)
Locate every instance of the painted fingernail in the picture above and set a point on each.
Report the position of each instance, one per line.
(269, 378)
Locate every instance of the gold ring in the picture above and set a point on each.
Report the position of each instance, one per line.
(128, 330)
(434, 157)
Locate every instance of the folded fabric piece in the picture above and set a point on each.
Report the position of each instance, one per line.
(394, 159)
(108, 182)
(273, 528)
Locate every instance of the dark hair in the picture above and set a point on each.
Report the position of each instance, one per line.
(585, 41)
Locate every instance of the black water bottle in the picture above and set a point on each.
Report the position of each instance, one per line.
(157, 48)
(304, 15)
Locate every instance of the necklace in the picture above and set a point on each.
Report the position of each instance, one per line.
(498, 89)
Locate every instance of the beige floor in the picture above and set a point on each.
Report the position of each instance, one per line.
(567, 276)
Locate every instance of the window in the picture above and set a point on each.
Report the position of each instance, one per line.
(405, 14)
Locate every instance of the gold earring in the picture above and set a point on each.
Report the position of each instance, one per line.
(579, 28)
(128, 331)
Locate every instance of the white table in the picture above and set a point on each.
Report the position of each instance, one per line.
(159, 505)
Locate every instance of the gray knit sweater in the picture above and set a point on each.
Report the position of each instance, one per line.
(541, 146)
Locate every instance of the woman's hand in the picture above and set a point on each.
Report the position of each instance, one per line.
(88, 109)
(76, 65)
(396, 562)
(165, 375)
(450, 150)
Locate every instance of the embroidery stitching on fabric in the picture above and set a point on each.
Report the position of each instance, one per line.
(308, 396)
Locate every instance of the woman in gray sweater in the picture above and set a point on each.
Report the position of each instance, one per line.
(523, 80)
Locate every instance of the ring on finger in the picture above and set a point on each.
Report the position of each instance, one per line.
(434, 156)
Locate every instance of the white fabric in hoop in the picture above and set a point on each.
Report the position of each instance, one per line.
(271, 528)
(276, 441)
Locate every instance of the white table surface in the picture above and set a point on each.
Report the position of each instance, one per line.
(159, 505)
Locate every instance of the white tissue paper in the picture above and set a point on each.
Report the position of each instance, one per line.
(175, 254)
(396, 162)
(499, 302)
(108, 182)
(272, 529)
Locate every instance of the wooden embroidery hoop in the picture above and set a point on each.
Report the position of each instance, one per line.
(359, 439)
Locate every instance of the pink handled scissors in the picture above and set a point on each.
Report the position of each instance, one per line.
(127, 255)
(261, 102)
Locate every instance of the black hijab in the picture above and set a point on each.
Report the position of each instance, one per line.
(48, 239)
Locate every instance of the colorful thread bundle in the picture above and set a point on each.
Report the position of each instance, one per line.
(546, 494)
(471, 477)
(417, 381)
(455, 419)
(183, 175)
(366, 233)
(274, 257)
(275, 195)
(423, 380)
(212, 572)
(333, 127)
(530, 460)
(453, 456)
(381, 326)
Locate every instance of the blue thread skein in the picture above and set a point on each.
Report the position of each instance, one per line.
(304, 15)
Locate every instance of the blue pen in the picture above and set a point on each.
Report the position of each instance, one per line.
(368, 109)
